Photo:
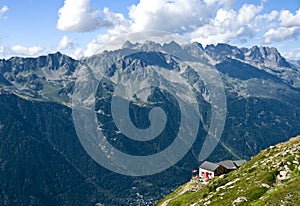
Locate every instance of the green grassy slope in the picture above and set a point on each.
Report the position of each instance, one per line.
(255, 183)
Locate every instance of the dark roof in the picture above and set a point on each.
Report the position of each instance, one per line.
(239, 163)
(209, 166)
(228, 164)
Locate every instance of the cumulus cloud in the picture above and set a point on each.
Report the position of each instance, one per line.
(293, 54)
(3, 10)
(247, 13)
(79, 16)
(179, 16)
(65, 43)
(288, 19)
(19, 50)
(69, 47)
(121, 26)
(280, 34)
(228, 25)
(208, 21)
(95, 45)
(174, 16)
(269, 17)
(77, 54)
(25, 51)
(205, 21)
(227, 3)
(288, 27)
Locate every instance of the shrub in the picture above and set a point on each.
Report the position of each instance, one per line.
(252, 169)
(270, 178)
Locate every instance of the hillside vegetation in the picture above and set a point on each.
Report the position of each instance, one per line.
(270, 178)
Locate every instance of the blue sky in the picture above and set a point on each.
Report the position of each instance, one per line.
(80, 27)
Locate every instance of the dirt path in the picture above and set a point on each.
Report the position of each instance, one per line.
(186, 188)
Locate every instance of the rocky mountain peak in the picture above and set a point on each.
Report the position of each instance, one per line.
(128, 45)
(51, 62)
(266, 55)
(222, 51)
(262, 109)
(56, 61)
(172, 45)
(254, 53)
(197, 44)
(145, 46)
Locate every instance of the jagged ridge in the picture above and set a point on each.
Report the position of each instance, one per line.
(263, 109)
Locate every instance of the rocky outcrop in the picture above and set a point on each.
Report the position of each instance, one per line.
(270, 178)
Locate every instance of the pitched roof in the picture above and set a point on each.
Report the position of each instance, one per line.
(228, 164)
(209, 166)
(239, 163)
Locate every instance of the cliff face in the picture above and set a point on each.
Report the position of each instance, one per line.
(41, 156)
(270, 178)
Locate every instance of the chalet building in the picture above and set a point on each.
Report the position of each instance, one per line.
(208, 170)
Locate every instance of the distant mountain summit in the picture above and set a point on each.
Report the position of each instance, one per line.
(41, 156)
(31, 75)
(262, 55)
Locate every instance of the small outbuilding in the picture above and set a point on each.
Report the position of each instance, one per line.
(228, 164)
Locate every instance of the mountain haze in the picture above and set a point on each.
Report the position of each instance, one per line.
(43, 163)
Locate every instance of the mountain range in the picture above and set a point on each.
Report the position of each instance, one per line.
(42, 161)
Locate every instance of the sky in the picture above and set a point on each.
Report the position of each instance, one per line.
(80, 28)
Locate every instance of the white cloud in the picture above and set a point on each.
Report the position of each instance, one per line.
(280, 34)
(121, 26)
(3, 10)
(25, 51)
(173, 16)
(205, 21)
(18, 50)
(95, 45)
(273, 15)
(2, 50)
(115, 18)
(65, 43)
(194, 17)
(69, 47)
(77, 54)
(79, 16)
(288, 19)
(287, 28)
(228, 25)
(293, 54)
(247, 13)
(227, 3)
(180, 16)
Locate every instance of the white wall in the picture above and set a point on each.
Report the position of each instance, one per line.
(212, 174)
